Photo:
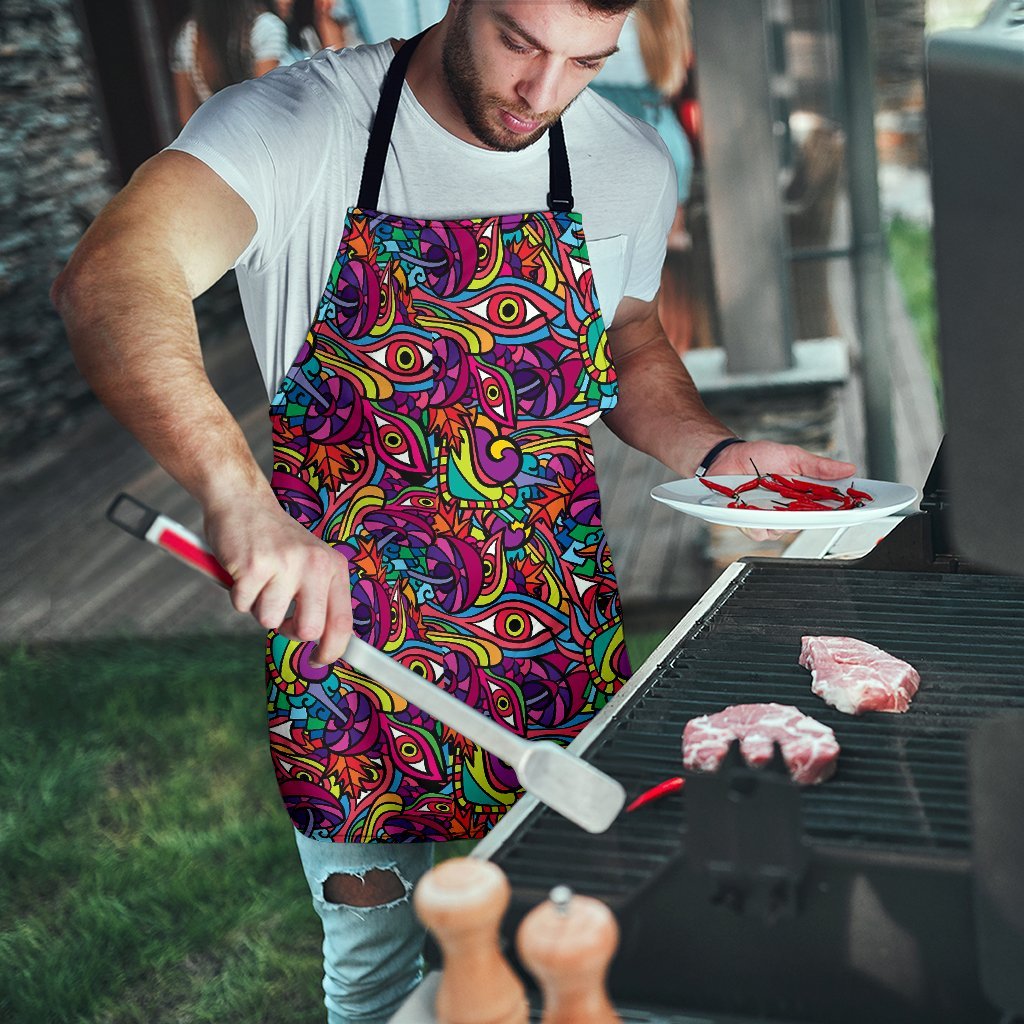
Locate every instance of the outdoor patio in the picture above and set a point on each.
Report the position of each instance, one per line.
(72, 575)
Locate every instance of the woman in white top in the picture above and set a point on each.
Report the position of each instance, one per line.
(223, 42)
(313, 25)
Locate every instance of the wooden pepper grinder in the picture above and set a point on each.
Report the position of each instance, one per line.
(567, 943)
(462, 902)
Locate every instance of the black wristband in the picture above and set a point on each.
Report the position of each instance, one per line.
(705, 463)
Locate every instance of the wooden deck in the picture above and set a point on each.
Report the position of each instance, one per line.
(72, 575)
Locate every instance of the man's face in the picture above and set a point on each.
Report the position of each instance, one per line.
(513, 66)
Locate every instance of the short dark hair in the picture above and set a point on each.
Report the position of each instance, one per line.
(609, 6)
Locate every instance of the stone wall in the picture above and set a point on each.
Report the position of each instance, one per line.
(53, 180)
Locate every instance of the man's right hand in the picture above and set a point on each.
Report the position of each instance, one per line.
(286, 578)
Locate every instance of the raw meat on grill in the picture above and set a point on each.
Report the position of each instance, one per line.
(855, 677)
(809, 748)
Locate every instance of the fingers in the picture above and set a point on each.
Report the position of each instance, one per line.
(763, 535)
(322, 607)
(313, 576)
(285, 578)
(337, 623)
(820, 468)
(306, 622)
(271, 606)
(251, 581)
(302, 592)
(772, 457)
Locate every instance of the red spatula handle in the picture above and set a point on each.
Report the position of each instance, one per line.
(147, 524)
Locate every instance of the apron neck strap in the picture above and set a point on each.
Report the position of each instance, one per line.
(560, 191)
(383, 122)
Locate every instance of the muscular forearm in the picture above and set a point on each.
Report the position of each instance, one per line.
(659, 409)
(126, 299)
(133, 334)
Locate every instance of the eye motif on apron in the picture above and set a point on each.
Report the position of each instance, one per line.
(433, 428)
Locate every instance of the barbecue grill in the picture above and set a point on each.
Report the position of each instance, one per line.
(746, 897)
(894, 892)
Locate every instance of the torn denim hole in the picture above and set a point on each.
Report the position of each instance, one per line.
(346, 896)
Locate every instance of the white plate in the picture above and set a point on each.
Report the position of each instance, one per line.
(693, 498)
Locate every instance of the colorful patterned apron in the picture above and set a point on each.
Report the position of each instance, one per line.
(433, 429)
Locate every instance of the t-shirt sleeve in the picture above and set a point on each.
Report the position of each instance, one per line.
(268, 139)
(644, 278)
(269, 38)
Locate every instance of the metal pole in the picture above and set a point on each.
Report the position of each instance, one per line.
(868, 240)
(154, 63)
(741, 162)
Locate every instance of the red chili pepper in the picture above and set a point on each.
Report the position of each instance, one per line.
(720, 488)
(802, 495)
(831, 493)
(793, 485)
(790, 492)
(749, 485)
(656, 792)
(811, 488)
(808, 505)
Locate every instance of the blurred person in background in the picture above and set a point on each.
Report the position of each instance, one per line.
(646, 79)
(646, 76)
(314, 25)
(374, 20)
(221, 43)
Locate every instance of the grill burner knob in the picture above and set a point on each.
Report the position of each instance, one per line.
(567, 943)
(462, 902)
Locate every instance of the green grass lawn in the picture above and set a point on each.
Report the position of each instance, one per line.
(910, 249)
(148, 868)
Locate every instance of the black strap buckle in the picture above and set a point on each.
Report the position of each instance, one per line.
(560, 205)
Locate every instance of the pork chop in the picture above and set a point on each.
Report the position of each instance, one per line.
(809, 748)
(854, 676)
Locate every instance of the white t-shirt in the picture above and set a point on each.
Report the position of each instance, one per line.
(292, 144)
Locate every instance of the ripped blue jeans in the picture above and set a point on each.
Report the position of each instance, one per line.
(372, 953)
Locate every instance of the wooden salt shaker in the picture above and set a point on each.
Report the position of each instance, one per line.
(462, 902)
(567, 943)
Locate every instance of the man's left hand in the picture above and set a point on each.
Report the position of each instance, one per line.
(761, 457)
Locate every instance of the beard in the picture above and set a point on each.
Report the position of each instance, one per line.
(477, 106)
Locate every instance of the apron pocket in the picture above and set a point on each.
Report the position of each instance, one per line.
(608, 262)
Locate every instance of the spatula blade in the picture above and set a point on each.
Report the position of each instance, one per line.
(572, 787)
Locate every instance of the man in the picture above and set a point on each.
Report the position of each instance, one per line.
(433, 479)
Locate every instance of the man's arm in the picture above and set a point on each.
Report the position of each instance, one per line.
(661, 413)
(126, 300)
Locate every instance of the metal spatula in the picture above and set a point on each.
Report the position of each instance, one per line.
(573, 788)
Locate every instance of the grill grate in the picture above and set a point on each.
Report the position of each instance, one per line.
(901, 787)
